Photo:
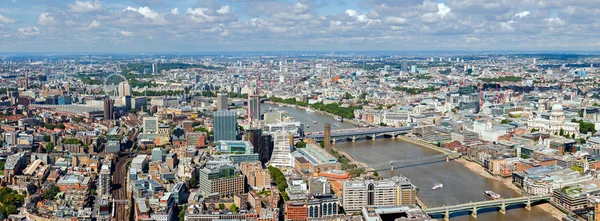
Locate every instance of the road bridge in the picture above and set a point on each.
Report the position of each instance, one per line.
(472, 207)
(352, 134)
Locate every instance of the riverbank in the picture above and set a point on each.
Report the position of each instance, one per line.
(346, 120)
(478, 169)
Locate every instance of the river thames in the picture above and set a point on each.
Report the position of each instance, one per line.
(461, 185)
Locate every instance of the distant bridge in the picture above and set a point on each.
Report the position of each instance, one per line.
(367, 132)
(472, 207)
(447, 156)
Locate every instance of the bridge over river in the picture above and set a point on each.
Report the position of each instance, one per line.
(352, 134)
(473, 207)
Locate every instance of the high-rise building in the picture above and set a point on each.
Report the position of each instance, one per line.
(224, 180)
(150, 125)
(327, 137)
(393, 191)
(281, 156)
(124, 89)
(109, 105)
(197, 78)
(265, 148)
(104, 182)
(256, 176)
(225, 125)
(154, 68)
(222, 101)
(254, 107)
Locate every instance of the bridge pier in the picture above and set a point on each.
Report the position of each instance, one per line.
(392, 165)
(447, 215)
(503, 208)
(528, 204)
(353, 139)
(447, 158)
(333, 140)
(393, 136)
(474, 213)
(374, 136)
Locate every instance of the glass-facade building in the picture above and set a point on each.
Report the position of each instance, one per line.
(225, 125)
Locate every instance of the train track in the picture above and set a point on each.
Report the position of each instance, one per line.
(119, 192)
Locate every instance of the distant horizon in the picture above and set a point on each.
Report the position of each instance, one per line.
(320, 52)
(209, 26)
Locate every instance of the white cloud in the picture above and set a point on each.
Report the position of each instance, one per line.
(81, 6)
(224, 10)
(175, 11)
(394, 20)
(46, 19)
(522, 14)
(29, 31)
(443, 10)
(127, 33)
(6, 20)
(144, 11)
(351, 12)
(94, 24)
(554, 22)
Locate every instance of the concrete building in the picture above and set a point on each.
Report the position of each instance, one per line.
(393, 191)
(225, 125)
(322, 205)
(150, 125)
(281, 156)
(104, 181)
(124, 89)
(109, 106)
(223, 180)
(257, 177)
(157, 155)
(313, 158)
(222, 101)
(140, 163)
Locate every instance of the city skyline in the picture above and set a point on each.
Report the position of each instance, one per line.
(304, 25)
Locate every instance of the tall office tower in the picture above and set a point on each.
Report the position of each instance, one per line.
(225, 125)
(330, 71)
(282, 156)
(104, 181)
(327, 137)
(197, 78)
(222, 101)
(404, 65)
(108, 109)
(254, 136)
(394, 191)
(25, 82)
(265, 148)
(154, 68)
(150, 125)
(124, 89)
(254, 107)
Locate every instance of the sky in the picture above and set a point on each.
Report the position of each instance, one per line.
(297, 25)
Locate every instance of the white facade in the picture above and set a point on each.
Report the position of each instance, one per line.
(282, 156)
(555, 124)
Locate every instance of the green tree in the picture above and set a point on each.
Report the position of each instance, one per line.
(193, 182)
(49, 126)
(93, 192)
(49, 147)
(375, 173)
(51, 193)
(505, 121)
(47, 138)
(221, 206)
(61, 126)
(182, 213)
(2, 165)
(348, 96)
(363, 95)
(300, 144)
(234, 208)
(533, 130)
(561, 132)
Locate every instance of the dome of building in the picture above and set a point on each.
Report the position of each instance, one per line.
(557, 108)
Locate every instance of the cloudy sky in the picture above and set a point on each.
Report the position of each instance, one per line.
(272, 25)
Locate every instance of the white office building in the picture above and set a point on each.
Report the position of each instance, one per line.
(281, 156)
